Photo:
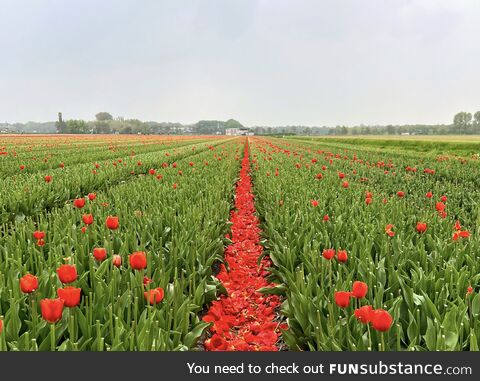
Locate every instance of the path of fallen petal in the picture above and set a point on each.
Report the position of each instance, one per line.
(244, 320)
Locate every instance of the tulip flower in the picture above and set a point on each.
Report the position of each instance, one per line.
(100, 253)
(138, 260)
(342, 298)
(52, 309)
(328, 253)
(342, 256)
(28, 283)
(79, 203)
(112, 222)
(421, 227)
(363, 314)
(67, 273)
(70, 296)
(154, 296)
(381, 320)
(359, 289)
(117, 260)
(87, 219)
(38, 235)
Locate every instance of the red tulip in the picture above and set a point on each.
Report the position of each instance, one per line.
(70, 295)
(368, 201)
(440, 206)
(345, 184)
(62, 165)
(429, 195)
(87, 219)
(314, 203)
(51, 309)
(138, 260)
(79, 203)
(22, 167)
(443, 198)
(48, 178)
(325, 217)
(342, 298)
(191, 164)
(363, 314)
(421, 227)
(359, 289)
(389, 231)
(117, 260)
(28, 283)
(319, 176)
(38, 235)
(328, 253)
(100, 253)
(154, 296)
(341, 175)
(112, 222)
(92, 196)
(400, 194)
(342, 256)
(84, 229)
(381, 320)
(469, 290)
(151, 171)
(67, 273)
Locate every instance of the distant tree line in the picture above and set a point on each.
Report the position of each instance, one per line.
(463, 124)
(104, 123)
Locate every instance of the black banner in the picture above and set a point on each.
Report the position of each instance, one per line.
(248, 365)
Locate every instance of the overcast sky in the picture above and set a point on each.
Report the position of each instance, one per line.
(265, 62)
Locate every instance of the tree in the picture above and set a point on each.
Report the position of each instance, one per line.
(462, 122)
(61, 125)
(232, 123)
(77, 126)
(102, 116)
(476, 118)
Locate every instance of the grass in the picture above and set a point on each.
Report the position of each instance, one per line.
(461, 145)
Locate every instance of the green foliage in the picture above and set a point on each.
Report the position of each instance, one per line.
(421, 279)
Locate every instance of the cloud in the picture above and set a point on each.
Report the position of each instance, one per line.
(266, 62)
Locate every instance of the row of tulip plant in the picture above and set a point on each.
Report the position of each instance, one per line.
(24, 155)
(30, 194)
(372, 249)
(126, 266)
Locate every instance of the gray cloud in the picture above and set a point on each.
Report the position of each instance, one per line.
(269, 62)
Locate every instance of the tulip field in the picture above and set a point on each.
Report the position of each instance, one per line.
(224, 243)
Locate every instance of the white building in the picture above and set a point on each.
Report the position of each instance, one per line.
(238, 132)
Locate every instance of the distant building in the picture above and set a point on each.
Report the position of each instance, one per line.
(239, 132)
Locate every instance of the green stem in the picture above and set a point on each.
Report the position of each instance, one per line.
(52, 337)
